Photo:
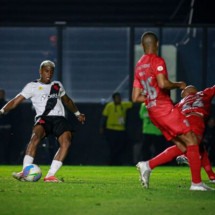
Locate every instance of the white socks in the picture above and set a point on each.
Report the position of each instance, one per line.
(55, 166)
(27, 160)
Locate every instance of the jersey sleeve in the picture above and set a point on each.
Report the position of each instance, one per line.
(62, 90)
(159, 66)
(27, 91)
(127, 104)
(105, 112)
(210, 92)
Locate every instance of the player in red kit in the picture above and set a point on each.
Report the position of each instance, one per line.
(196, 105)
(152, 86)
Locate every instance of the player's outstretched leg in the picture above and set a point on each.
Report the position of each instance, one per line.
(18, 176)
(144, 171)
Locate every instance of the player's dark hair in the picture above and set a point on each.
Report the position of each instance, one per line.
(116, 94)
(149, 37)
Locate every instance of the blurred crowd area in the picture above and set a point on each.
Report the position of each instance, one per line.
(89, 146)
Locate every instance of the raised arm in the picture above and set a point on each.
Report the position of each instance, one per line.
(12, 104)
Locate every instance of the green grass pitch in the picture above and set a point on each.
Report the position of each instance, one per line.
(103, 190)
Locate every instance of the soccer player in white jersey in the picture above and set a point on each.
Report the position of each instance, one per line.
(47, 98)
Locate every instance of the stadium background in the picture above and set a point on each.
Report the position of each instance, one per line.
(95, 45)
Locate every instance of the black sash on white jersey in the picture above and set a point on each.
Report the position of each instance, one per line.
(52, 100)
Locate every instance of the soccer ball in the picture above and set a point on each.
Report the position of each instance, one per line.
(32, 173)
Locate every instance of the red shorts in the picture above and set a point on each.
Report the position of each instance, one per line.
(173, 124)
(197, 125)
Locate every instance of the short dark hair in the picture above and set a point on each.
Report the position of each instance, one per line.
(149, 34)
(114, 95)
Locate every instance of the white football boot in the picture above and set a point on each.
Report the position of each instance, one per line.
(144, 171)
(201, 187)
(18, 176)
(212, 181)
(181, 160)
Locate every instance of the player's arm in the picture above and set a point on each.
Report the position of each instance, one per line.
(73, 108)
(13, 103)
(137, 95)
(164, 83)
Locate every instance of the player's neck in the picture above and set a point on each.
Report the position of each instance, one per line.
(44, 82)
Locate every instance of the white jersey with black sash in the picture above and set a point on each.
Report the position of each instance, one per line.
(46, 98)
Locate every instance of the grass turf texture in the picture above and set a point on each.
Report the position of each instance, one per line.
(90, 190)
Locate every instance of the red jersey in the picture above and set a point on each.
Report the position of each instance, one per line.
(198, 103)
(158, 100)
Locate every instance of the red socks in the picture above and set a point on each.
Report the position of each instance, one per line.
(165, 156)
(172, 152)
(207, 165)
(195, 163)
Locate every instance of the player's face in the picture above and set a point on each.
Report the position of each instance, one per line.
(46, 74)
(117, 100)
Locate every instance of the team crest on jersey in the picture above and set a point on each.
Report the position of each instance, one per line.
(40, 88)
(56, 87)
(160, 68)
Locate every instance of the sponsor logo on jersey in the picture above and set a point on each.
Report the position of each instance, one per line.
(43, 97)
(54, 95)
(147, 65)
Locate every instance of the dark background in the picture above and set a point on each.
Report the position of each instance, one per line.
(92, 12)
(156, 12)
